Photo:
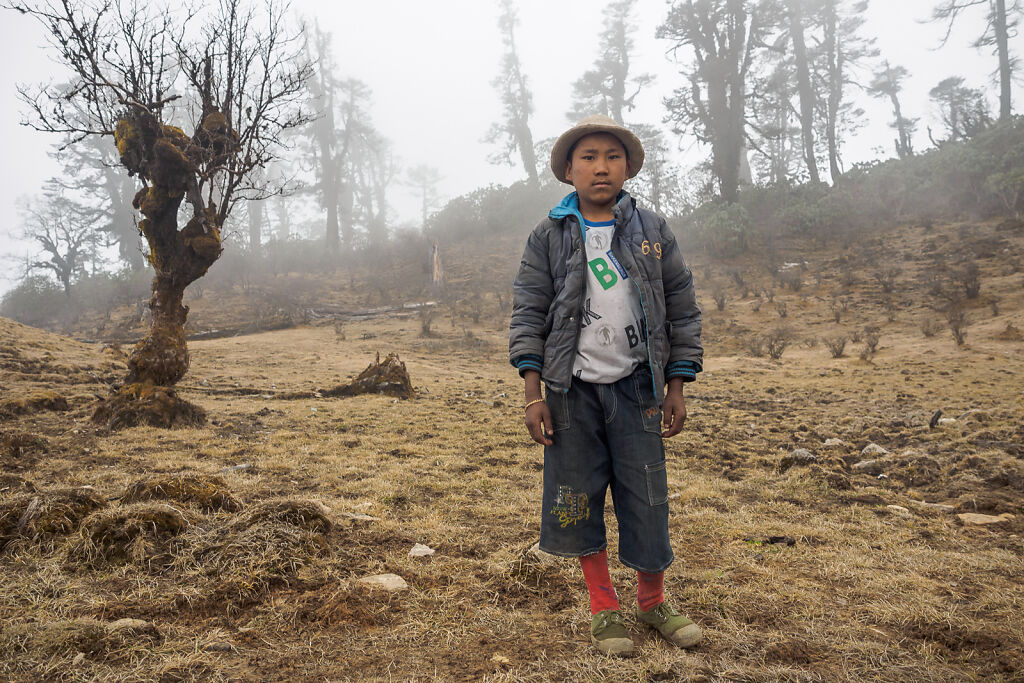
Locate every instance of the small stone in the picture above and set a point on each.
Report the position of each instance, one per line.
(947, 421)
(392, 583)
(835, 443)
(420, 550)
(873, 466)
(800, 457)
(501, 660)
(219, 646)
(873, 449)
(898, 509)
(79, 658)
(976, 518)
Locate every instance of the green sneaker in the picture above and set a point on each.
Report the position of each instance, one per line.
(672, 625)
(608, 633)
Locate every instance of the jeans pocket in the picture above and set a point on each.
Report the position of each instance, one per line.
(558, 404)
(657, 483)
(650, 413)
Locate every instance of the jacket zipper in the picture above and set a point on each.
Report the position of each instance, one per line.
(647, 324)
(583, 293)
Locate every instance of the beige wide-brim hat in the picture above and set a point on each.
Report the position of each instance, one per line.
(597, 123)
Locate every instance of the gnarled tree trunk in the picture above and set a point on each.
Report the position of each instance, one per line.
(166, 158)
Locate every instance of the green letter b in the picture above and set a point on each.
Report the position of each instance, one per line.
(605, 275)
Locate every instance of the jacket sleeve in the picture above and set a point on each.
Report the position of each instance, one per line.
(532, 294)
(686, 352)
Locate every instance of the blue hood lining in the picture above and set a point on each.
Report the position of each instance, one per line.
(570, 206)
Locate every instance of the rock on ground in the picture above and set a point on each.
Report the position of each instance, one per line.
(392, 583)
(801, 457)
(977, 518)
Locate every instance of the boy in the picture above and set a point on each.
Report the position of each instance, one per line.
(604, 312)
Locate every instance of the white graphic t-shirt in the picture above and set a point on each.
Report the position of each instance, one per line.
(612, 335)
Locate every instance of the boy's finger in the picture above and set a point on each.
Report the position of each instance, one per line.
(678, 418)
(547, 426)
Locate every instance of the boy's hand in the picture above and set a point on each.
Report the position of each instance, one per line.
(538, 421)
(538, 416)
(674, 410)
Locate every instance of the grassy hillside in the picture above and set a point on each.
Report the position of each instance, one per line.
(240, 545)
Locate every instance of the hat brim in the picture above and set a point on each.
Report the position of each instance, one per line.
(565, 142)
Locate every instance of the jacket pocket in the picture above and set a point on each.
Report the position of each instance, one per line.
(657, 483)
(561, 413)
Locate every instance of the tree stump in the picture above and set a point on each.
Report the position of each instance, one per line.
(387, 377)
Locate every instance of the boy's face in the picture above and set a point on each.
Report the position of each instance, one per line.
(597, 169)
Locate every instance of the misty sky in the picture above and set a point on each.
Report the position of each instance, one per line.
(430, 65)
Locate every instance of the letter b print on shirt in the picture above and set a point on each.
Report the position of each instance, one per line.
(604, 273)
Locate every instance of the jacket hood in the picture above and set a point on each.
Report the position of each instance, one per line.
(570, 206)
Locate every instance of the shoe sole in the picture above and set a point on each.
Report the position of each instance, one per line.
(613, 647)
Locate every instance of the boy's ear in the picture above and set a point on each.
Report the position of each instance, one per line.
(568, 171)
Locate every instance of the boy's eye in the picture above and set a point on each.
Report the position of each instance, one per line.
(587, 157)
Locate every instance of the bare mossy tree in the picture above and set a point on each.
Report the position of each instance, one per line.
(512, 133)
(711, 104)
(234, 75)
(1001, 24)
(64, 232)
(608, 87)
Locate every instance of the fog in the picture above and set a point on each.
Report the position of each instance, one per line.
(430, 67)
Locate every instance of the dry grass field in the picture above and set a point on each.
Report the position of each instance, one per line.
(239, 546)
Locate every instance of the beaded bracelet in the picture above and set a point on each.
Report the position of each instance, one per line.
(536, 400)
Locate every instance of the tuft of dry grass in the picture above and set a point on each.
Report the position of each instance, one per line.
(138, 533)
(205, 491)
(305, 514)
(236, 562)
(33, 403)
(44, 515)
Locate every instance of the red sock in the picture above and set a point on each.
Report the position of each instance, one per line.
(599, 583)
(650, 590)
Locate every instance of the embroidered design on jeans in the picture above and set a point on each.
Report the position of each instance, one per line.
(570, 507)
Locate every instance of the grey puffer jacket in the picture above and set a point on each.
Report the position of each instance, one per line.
(551, 284)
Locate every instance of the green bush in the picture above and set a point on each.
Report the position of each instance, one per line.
(979, 178)
(721, 229)
(38, 301)
(496, 209)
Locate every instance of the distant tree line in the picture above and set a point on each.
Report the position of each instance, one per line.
(769, 88)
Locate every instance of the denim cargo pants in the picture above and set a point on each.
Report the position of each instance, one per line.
(607, 435)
